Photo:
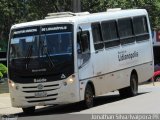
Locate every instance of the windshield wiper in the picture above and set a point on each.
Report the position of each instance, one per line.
(49, 58)
(45, 51)
(28, 55)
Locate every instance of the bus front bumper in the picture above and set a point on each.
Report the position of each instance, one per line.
(57, 92)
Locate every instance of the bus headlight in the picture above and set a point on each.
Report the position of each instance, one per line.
(13, 85)
(69, 80)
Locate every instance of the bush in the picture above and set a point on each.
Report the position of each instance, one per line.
(3, 69)
(1, 75)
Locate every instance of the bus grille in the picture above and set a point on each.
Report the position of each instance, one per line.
(50, 90)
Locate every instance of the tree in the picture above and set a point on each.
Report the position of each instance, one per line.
(152, 6)
(38, 9)
(17, 11)
(11, 12)
(93, 5)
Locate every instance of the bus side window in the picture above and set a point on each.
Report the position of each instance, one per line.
(140, 28)
(83, 46)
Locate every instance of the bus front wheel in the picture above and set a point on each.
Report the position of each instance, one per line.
(29, 110)
(88, 97)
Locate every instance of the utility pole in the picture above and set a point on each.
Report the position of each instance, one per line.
(76, 5)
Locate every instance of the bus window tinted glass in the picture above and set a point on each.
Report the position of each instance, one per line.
(140, 25)
(59, 43)
(20, 46)
(97, 36)
(125, 27)
(109, 30)
(140, 28)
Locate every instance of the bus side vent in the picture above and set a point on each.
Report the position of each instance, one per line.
(65, 14)
(114, 10)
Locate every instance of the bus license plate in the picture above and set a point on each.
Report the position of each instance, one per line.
(41, 94)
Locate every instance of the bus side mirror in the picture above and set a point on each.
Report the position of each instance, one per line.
(79, 51)
(84, 37)
(84, 43)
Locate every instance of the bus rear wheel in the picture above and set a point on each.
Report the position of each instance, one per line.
(88, 97)
(29, 110)
(132, 90)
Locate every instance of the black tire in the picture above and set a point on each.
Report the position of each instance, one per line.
(157, 78)
(88, 97)
(29, 110)
(132, 90)
(134, 85)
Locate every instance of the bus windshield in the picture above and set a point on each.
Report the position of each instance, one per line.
(54, 44)
(46, 48)
(21, 46)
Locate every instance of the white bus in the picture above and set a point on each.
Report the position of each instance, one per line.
(72, 57)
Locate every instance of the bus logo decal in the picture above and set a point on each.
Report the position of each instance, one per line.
(40, 86)
(39, 80)
(123, 55)
(63, 76)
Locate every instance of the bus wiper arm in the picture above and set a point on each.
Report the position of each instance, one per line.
(45, 51)
(28, 55)
(49, 58)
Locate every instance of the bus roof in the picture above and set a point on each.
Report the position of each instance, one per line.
(86, 18)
